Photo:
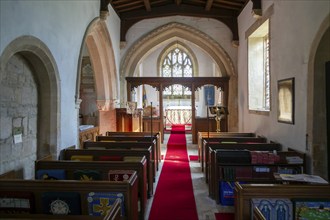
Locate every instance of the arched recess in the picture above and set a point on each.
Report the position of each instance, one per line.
(46, 75)
(166, 34)
(317, 147)
(98, 43)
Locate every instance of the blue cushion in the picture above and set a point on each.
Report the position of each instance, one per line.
(99, 203)
(54, 174)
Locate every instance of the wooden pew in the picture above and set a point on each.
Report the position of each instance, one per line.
(152, 140)
(113, 214)
(234, 139)
(103, 167)
(84, 190)
(211, 164)
(155, 135)
(245, 192)
(256, 145)
(67, 154)
(123, 145)
(201, 135)
(247, 169)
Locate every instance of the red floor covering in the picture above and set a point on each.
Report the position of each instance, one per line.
(174, 198)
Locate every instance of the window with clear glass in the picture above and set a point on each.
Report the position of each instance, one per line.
(259, 70)
(177, 63)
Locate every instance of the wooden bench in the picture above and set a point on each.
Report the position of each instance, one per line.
(124, 149)
(123, 145)
(103, 167)
(152, 140)
(201, 135)
(245, 192)
(79, 194)
(211, 163)
(226, 139)
(155, 135)
(249, 172)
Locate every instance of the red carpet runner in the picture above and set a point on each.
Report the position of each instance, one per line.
(174, 198)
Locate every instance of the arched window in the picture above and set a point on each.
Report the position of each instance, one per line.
(177, 61)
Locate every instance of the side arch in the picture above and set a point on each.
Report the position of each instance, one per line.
(48, 81)
(99, 46)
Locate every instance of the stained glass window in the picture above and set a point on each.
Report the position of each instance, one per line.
(177, 63)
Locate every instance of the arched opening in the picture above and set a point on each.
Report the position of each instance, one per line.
(317, 141)
(33, 106)
(97, 79)
(168, 33)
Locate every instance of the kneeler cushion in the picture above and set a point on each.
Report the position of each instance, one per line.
(87, 175)
(52, 174)
(120, 175)
(61, 203)
(99, 203)
(16, 202)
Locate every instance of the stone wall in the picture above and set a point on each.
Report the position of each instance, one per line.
(18, 115)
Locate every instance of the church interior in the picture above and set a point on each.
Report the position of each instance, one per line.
(165, 109)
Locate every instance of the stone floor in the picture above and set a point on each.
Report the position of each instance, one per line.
(206, 207)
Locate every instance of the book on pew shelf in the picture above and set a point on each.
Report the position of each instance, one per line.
(120, 175)
(303, 178)
(16, 202)
(51, 174)
(82, 157)
(273, 208)
(99, 203)
(87, 175)
(61, 203)
(132, 159)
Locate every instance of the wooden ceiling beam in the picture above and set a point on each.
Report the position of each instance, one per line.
(147, 5)
(208, 5)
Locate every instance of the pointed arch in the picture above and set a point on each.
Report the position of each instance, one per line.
(99, 46)
(317, 145)
(98, 43)
(167, 33)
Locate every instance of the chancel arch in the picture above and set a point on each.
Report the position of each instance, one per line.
(171, 32)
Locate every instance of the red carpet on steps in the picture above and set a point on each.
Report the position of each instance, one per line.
(174, 197)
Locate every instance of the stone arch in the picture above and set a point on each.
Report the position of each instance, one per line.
(317, 146)
(46, 75)
(99, 46)
(166, 33)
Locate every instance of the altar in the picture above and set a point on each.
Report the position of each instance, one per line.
(178, 115)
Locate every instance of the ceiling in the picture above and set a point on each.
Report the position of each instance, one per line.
(133, 11)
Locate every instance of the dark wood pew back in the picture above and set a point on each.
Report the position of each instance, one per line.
(84, 189)
(245, 192)
(67, 154)
(210, 164)
(103, 167)
(205, 134)
(155, 135)
(113, 214)
(243, 139)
